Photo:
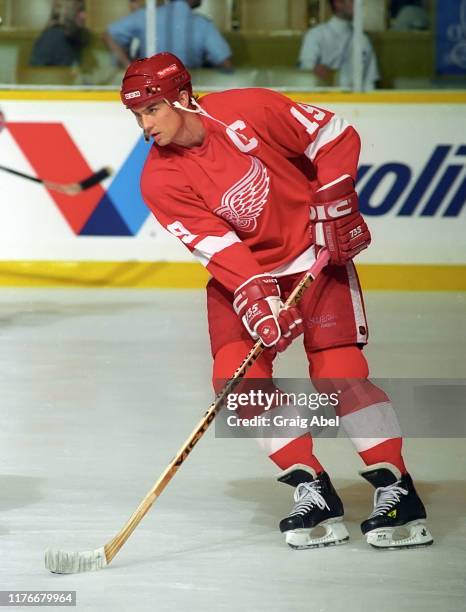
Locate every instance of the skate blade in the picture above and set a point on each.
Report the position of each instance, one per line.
(388, 538)
(335, 534)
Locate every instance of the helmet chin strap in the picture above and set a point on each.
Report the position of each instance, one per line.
(196, 109)
(176, 104)
(200, 111)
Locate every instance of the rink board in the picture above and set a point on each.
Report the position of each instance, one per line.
(412, 186)
(191, 275)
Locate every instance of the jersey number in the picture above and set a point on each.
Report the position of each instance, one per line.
(179, 230)
(311, 126)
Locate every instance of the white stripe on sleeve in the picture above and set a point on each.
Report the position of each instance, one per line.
(326, 134)
(207, 247)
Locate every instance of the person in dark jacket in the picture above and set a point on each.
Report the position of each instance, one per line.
(64, 37)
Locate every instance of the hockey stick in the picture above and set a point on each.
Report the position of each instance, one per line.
(67, 188)
(61, 562)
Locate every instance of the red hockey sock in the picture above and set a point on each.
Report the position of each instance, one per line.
(357, 394)
(339, 362)
(385, 452)
(283, 452)
(298, 450)
(230, 356)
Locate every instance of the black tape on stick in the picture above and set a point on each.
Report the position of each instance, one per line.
(96, 178)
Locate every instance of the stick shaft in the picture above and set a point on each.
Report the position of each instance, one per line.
(21, 174)
(113, 546)
(86, 183)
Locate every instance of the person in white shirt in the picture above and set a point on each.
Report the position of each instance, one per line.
(328, 48)
(411, 15)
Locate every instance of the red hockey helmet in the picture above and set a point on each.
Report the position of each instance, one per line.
(160, 77)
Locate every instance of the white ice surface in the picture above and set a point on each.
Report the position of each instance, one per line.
(98, 391)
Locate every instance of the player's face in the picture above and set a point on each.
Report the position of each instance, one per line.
(135, 5)
(344, 9)
(160, 121)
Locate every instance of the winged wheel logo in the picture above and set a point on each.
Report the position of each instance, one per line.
(244, 202)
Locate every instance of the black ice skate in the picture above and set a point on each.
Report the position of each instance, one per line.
(316, 505)
(397, 507)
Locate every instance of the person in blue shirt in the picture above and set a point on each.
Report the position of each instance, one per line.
(190, 36)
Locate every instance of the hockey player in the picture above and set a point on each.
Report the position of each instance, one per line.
(254, 185)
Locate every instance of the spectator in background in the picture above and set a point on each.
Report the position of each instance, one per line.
(192, 37)
(135, 5)
(327, 49)
(64, 37)
(409, 15)
(135, 44)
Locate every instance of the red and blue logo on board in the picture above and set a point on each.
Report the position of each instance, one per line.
(52, 153)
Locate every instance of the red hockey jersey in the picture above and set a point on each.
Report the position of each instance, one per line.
(240, 200)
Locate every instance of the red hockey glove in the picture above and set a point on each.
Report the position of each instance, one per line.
(336, 222)
(257, 302)
(291, 326)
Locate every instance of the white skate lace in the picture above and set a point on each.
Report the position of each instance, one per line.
(307, 495)
(385, 498)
